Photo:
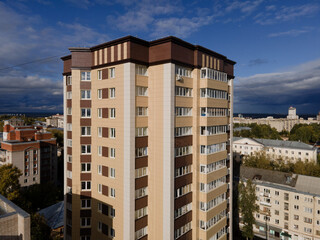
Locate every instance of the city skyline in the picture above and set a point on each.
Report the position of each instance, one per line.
(275, 45)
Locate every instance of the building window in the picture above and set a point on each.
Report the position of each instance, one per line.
(183, 92)
(142, 111)
(85, 131)
(112, 72)
(307, 230)
(183, 131)
(182, 230)
(182, 151)
(99, 74)
(183, 170)
(207, 225)
(183, 111)
(296, 217)
(296, 207)
(213, 74)
(141, 152)
(112, 192)
(141, 212)
(112, 92)
(112, 132)
(112, 172)
(141, 232)
(112, 113)
(182, 210)
(69, 80)
(100, 150)
(213, 130)
(141, 192)
(141, 91)
(69, 142)
(141, 132)
(86, 149)
(85, 167)
(213, 112)
(112, 152)
(85, 185)
(213, 166)
(183, 190)
(69, 95)
(141, 172)
(85, 222)
(99, 93)
(99, 188)
(296, 197)
(85, 112)
(183, 71)
(307, 220)
(85, 76)
(141, 70)
(99, 131)
(276, 193)
(99, 169)
(85, 203)
(99, 112)
(207, 187)
(308, 210)
(213, 93)
(210, 149)
(85, 94)
(69, 158)
(69, 111)
(69, 126)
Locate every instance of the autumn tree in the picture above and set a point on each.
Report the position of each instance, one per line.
(9, 181)
(247, 207)
(39, 228)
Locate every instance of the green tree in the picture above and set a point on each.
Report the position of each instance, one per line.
(247, 207)
(39, 228)
(58, 135)
(259, 160)
(9, 181)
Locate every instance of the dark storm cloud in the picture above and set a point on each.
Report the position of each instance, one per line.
(265, 92)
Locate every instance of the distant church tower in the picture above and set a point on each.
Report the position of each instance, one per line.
(292, 113)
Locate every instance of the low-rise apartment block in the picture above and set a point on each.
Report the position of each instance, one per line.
(33, 151)
(289, 204)
(55, 121)
(14, 222)
(288, 151)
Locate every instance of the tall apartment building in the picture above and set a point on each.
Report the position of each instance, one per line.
(147, 139)
(33, 151)
(289, 204)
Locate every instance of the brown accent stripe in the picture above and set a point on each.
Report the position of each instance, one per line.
(69, 150)
(105, 151)
(141, 202)
(85, 140)
(104, 112)
(141, 182)
(105, 190)
(105, 93)
(85, 213)
(85, 85)
(85, 103)
(141, 162)
(69, 134)
(183, 200)
(69, 182)
(183, 180)
(85, 158)
(183, 220)
(141, 142)
(85, 193)
(104, 171)
(69, 118)
(69, 166)
(183, 161)
(141, 223)
(85, 176)
(105, 132)
(183, 141)
(85, 122)
(69, 103)
(69, 88)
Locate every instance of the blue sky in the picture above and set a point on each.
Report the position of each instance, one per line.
(276, 45)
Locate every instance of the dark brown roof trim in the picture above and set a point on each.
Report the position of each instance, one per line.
(120, 40)
(66, 57)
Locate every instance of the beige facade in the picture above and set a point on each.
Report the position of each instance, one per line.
(142, 156)
(288, 151)
(289, 204)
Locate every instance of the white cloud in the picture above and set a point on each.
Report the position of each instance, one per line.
(293, 32)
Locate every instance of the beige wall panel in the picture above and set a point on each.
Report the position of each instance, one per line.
(214, 84)
(184, 102)
(105, 55)
(155, 153)
(125, 50)
(207, 61)
(95, 57)
(142, 121)
(213, 139)
(207, 178)
(211, 62)
(141, 101)
(100, 56)
(183, 121)
(142, 81)
(213, 121)
(187, 82)
(112, 53)
(210, 102)
(215, 211)
(207, 159)
(119, 52)
(205, 197)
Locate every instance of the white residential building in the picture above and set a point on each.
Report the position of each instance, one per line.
(277, 149)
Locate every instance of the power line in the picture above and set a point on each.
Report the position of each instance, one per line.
(34, 61)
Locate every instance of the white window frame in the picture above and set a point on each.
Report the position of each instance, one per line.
(99, 74)
(112, 132)
(85, 131)
(112, 172)
(112, 113)
(99, 93)
(112, 192)
(86, 148)
(87, 167)
(99, 131)
(85, 112)
(99, 113)
(112, 72)
(112, 153)
(99, 168)
(85, 76)
(141, 131)
(112, 93)
(85, 94)
(99, 150)
(85, 185)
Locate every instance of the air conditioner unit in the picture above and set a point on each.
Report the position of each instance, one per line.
(179, 78)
